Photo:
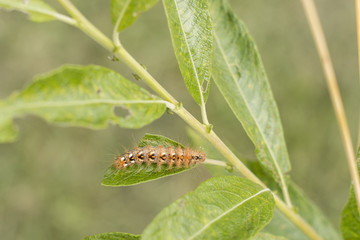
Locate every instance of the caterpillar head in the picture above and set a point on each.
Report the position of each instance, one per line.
(120, 162)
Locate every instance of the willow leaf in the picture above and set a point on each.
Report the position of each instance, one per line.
(279, 225)
(220, 208)
(239, 74)
(191, 33)
(83, 96)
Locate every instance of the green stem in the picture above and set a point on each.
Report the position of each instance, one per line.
(122, 54)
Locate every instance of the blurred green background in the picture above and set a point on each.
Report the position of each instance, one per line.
(50, 177)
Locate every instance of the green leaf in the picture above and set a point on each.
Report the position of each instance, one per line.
(81, 96)
(191, 33)
(279, 225)
(127, 11)
(37, 9)
(350, 219)
(113, 236)
(142, 173)
(158, 140)
(267, 236)
(220, 208)
(239, 74)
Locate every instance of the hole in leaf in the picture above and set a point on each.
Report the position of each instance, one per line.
(205, 86)
(121, 112)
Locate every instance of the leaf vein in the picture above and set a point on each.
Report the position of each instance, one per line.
(226, 212)
(191, 57)
(251, 113)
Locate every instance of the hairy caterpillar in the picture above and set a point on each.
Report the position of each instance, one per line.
(159, 155)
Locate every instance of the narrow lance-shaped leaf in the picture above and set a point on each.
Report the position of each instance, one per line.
(127, 11)
(142, 173)
(350, 219)
(113, 236)
(191, 33)
(81, 96)
(279, 225)
(38, 10)
(220, 208)
(239, 74)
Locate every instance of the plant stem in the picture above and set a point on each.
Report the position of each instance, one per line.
(122, 54)
(296, 219)
(231, 157)
(323, 51)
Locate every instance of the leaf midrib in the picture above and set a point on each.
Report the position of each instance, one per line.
(191, 58)
(48, 104)
(251, 113)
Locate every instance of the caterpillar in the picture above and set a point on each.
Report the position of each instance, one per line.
(160, 155)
